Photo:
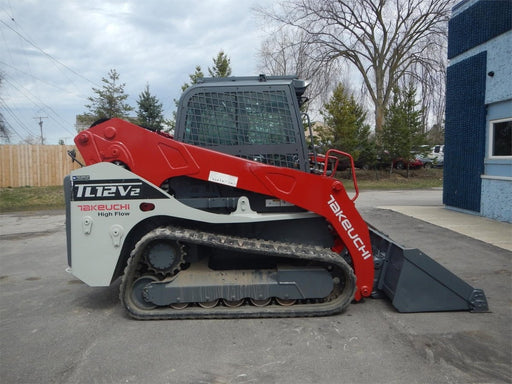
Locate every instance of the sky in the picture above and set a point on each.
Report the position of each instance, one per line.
(53, 52)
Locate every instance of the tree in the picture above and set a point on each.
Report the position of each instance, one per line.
(436, 134)
(194, 79)
(221, 66)
(345, 122)
(287, 53)
(4, 131)
(150, 111)
(109, 100)
(31, 140)
(402, 130)
(382, 39)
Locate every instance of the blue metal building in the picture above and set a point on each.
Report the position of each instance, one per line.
(478, 128)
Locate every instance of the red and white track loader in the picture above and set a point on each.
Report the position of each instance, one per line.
(229, 219)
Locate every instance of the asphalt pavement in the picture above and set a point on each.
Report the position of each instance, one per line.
(55, 329)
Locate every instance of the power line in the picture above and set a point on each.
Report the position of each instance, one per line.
(47, 54)
(39, 104)
(37, 78)
(27, 93)
(24, 37)
(17, 120)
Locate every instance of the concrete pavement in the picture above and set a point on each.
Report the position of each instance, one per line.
(489, 231)
(55, 329)
(426, 205)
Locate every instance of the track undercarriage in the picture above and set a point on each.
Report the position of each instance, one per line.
(166, 278)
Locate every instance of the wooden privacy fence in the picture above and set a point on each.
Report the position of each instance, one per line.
(35, 165)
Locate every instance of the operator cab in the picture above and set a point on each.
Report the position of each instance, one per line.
(256, 118)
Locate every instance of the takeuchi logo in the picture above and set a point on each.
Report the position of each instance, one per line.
(348, 227)
(103, 207)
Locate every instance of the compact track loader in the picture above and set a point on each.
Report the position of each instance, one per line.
(229, 217)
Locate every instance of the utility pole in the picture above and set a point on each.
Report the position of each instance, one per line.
(41, 125)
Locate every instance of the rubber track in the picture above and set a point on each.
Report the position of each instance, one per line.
(253, 246)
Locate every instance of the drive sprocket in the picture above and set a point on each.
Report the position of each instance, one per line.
(164, 257)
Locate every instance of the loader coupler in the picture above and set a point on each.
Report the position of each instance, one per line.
(414, 282)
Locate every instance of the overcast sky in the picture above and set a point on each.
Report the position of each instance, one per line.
(54, 51)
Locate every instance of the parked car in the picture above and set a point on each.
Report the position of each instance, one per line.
(438, 163)
(434, 158)
(401, 163)
(427, 161)
(437, 154)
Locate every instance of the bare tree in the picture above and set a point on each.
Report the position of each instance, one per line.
(383, 39)
(429, 78)
(285, 53)
(4, 130)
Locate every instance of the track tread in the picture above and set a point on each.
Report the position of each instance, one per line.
(248, 245)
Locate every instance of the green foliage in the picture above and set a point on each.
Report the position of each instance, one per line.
(109, 100)
(194, 79)
(221, 66)
(150, 111)
(346, 127)
(402, 131)
(84, 121)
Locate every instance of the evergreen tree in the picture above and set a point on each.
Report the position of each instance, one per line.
(109, 100)
(194, 79)
(402, 130)
(150, 111)
(345, 128)
(221, 66)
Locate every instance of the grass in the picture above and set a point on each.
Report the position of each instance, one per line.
(31, 198)
(43, 198)
(383, 180)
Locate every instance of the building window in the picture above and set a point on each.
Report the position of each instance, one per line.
(500, 138)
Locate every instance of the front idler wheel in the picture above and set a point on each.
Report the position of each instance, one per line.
(137, 293)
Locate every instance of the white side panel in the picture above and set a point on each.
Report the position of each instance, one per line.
(100, 227)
